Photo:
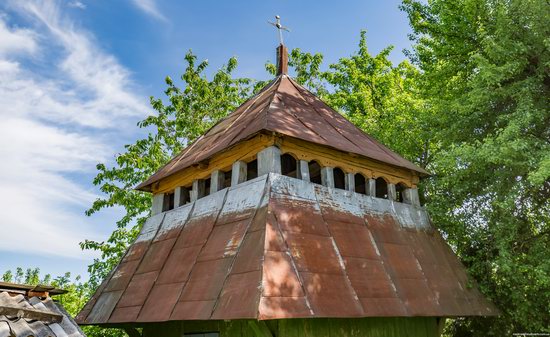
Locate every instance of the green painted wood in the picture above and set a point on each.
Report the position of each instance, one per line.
(260, 328)
(359, 327)
(313, 327)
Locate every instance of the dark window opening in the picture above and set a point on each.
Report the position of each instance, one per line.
(168, 203)
(360, 184)
(185, 197)
(252, 170)
(227, 179)
(339, 178)
(314, 172)
(289, 166)
(399, 191)
(206, 187)
(381, 188)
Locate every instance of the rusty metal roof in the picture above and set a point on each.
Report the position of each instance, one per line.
(287, 108)
(278, 247)
(23, 316)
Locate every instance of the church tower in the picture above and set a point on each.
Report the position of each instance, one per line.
(286, 219)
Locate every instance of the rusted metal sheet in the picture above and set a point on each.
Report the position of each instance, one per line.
(298, 215)
(313, 253)
(250, 253)
(179, 264)
(292, 249)
(331, 295)
(160, 302)
(239, 297)
(224, 241)
(280, 278)
(138, 289)
(287, 108)
(284, 307)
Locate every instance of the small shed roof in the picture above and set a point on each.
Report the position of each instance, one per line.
(284, 107)
(278, 247)
(24, 316)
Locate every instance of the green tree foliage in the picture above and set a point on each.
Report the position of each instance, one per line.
(367, 89)
(364, 87)
(486, 70)
(382, 99)
(379, 97)
(188, 113)
(474, 112)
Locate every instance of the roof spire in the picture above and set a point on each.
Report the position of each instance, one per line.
(282, 52)
(282, 60)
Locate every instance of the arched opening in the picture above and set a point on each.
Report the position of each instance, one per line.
(168, 203)
(185, 196)
(206, 187)
(289, 166)
(314, 172)
(339, 178)
(399, 192)
(252, 170)
(227, 178)
(381, 188)
(360, 184)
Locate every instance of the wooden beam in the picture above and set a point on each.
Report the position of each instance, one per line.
(260, 328)
(42, 316)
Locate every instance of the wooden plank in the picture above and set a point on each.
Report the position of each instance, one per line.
(245, 151)
(42, 316)
(302, 150)
(348, 162)
(260, 328)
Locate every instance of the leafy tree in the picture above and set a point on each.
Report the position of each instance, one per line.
(188, 113)
(486, 70)
(7, 276)
(383, 100)
(380, 98)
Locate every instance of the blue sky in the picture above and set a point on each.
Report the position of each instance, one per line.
(75, 77)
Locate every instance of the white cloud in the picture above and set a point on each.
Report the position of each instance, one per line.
(16, 40)
(76, 4)
(90, 72)
(149, 7)
(55, 127)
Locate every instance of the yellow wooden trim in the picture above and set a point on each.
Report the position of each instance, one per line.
(302, 150)
(348, 162)
(245, 151)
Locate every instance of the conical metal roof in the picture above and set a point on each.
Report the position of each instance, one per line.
(287, 108)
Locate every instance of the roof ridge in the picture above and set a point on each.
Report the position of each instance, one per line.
(376, 142)
(174, 161)
(309, 93)
(280, 78)
(299, 88)
(265, 194)
(265, 89)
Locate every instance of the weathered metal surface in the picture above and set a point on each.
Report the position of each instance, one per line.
(279, 247)
(284, 107)
(35, 317)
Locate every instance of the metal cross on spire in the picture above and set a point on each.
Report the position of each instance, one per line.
(280, 27)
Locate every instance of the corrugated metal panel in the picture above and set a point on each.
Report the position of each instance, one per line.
(284, 248)
(24, 327)
(287, 108)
